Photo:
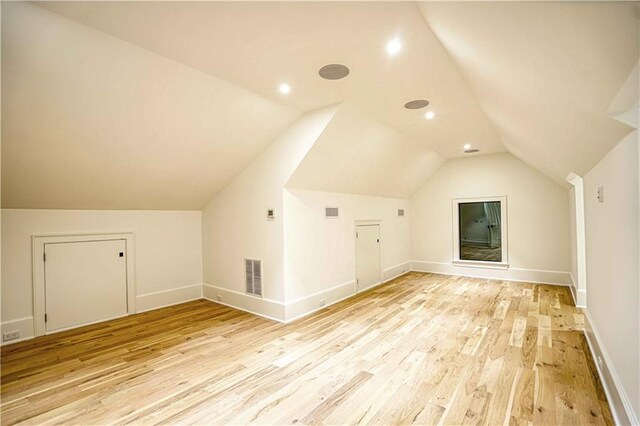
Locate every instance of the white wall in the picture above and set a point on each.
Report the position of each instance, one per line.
(320, 252)
(537, 210)
(235, 224)
(168, 251)
(613, 276)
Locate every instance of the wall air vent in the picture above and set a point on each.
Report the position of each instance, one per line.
(253, 270)
(331, 212)
(400, 212)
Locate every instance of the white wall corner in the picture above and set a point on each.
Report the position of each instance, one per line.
(572, 288)
(307, 305)
(266, 308)
(581, 298)
(396, 271)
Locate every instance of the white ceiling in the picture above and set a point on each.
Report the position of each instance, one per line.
(545, 73)
(158, 105)
(357, 155)
(260, 45)
(92, 122)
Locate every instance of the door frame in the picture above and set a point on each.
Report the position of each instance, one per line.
(355, 266)
(38, 270)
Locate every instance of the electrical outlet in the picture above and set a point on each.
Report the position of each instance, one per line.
(11, 335)
(322, 302)
(219, 298)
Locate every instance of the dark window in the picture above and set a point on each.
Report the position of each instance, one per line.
(480, 231)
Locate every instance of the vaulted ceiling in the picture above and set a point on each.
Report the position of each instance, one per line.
(92, 122)
(259, 45)
(160, 104)
(358, 155)
(545, 73)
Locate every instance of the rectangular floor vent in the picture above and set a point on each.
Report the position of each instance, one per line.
(253, 269)
(331, 212)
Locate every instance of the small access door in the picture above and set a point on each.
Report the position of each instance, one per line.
(368, 271)
(85, 282)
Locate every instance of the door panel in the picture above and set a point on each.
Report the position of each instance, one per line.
(367, 256)
(85, 282)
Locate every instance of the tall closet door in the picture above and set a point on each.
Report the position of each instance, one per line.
(85, 282)
(368, 271)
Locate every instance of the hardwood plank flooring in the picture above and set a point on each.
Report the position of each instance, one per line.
(424, 348)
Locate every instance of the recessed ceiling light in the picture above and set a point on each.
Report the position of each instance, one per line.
(429, 115)
(333, 72)
(394, 46)
(417, 104)
(284, 88)
(467, 146)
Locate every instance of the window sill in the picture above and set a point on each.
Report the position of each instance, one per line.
(481, 264)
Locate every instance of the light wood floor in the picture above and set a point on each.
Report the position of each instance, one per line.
(422, 349)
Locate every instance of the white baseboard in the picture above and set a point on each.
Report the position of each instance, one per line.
(362, 290)
(307, 305)
(618, 399)
(510, 274)
(267, 308)
(573, 295)
(23, 325)
(579, 296)
(161, 299)
(395, 271)
(300, 307)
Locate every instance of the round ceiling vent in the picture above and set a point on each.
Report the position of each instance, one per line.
(333, 72)
(416, 104)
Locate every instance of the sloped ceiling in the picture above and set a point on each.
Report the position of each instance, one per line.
(626, 105)
(92, 122)
(158, 105)
(358, 155)
(258, 45)
(545, 73)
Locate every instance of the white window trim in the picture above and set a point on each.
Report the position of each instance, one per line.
(503, 234)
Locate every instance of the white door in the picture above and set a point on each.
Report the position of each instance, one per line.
(85, 282)
(368, 271)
